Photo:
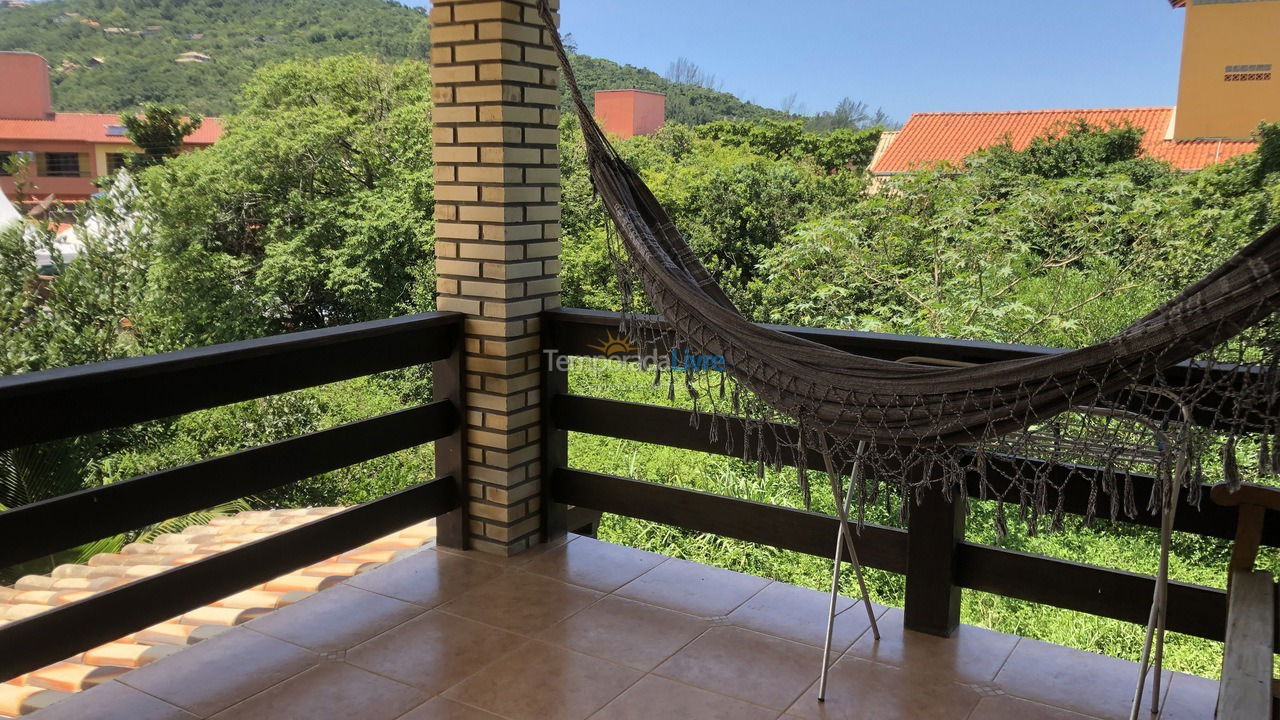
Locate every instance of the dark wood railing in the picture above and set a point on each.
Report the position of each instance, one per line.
(931, 551)
(43, 406)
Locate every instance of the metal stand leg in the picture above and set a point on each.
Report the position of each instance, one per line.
(1159, 611)
(844, 538)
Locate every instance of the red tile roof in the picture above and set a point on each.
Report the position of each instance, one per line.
(34, 594)
(86, 127)
(931, 138)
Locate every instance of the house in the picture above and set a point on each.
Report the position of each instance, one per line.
(192, 57)
(68, 150)
(1226, 87)
(627, 113)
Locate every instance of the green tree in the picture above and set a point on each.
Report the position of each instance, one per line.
(314, 209)
(158, 132)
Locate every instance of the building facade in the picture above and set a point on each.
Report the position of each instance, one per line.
(67, 151)
(1230, 60)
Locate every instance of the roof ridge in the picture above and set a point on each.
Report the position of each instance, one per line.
(1041, 112)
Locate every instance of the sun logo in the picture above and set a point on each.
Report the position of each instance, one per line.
(615, 345)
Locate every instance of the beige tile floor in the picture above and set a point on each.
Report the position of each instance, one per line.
(586, 629)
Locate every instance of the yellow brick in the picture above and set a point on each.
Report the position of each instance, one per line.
(456, 154)
(441, 14)
(495, 328)
(541, 136)
(508, 72)
(471, 345)
(516, 346)
(508, 194)
(487, 11)
(551, 78)
(551, 157)
(446, 212)
(449, 303)
(511, 309)
(503, 403)
(486, 51)
(551, 194)
(541, 96)
(543, 249)
(542, 213)
(487, 511)
(453, 74)
(542, 176)
(442, 135)
(488, 93)
(501, 478)
(452, 32)
(551, 116)
(510, 459)
(512, 271)
(510, 155)
(492, 213)
(457, 231)
(496, 134)
(512, 495)
(540, 56)
(446, 249)
(496, 366)
(458, 193)
(457, 267)
(509, 114)
(509, 31)
(490, 174)
(498, 441)
(453, 114)
(551, 231)
(549, 267)
(491, 251)
(539, 287)
(512, 233)
(446, 285)
(446, 173)
(499, 290)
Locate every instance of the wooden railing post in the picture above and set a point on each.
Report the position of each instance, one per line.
(448, 376)
(555, 442)
(935, 526)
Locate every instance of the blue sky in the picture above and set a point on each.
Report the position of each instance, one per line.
(903, 55)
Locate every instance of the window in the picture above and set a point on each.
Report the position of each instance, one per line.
(116, 131)
(115, 162)
(61, 164)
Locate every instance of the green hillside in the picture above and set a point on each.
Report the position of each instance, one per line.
(129, 57)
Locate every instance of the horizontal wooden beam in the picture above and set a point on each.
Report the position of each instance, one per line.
(670, 427)
(66, 402)
(63, 631)
(1193, 610)
(56, 524)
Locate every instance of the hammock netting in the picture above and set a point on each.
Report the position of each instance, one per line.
(1176, 394)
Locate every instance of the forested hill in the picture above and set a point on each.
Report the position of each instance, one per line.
(114, 55)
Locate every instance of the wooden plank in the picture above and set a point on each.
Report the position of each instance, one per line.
(448, 377)
(63, 631)
(66, 402)
(670, 427)
(786, 528)
(935, 527)
(1245, 690)
(579, 330)
(555, 441)
(56, 524)
(1193, 610)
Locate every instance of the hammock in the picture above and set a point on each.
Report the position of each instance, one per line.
(915, 413)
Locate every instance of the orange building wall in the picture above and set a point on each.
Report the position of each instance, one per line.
(24, 87)
(627, 113)
(1214, 103)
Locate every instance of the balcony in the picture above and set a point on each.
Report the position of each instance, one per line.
(570, 628)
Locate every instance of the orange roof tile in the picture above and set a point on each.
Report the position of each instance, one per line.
(92, 128)
(931, 138)
(34, 594)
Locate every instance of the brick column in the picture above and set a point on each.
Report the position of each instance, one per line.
(497, 244)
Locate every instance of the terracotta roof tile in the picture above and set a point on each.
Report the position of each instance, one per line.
(931, 138)
(90, 127)
(34, 594)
